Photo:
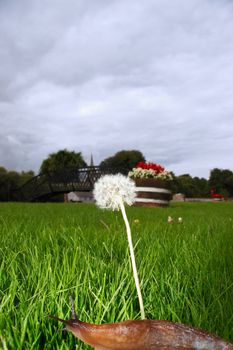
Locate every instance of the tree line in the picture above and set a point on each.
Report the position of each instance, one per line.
(10, 181)
(221, 180)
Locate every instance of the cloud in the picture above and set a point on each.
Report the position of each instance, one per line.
(102, 76)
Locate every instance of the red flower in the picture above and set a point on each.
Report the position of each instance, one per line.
(156, 167)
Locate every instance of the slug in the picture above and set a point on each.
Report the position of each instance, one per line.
(143, 335)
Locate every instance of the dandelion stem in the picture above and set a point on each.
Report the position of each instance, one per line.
(135, 273)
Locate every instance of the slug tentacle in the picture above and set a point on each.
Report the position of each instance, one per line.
(73, 312)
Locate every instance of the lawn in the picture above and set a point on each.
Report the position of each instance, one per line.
(50, 251)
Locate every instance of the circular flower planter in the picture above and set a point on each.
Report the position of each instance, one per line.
(152, 193)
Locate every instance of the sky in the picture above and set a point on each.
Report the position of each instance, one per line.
(101, 76)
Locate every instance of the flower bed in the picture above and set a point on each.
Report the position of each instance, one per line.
(152, 185)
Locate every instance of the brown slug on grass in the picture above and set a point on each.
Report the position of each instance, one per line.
(143, 335)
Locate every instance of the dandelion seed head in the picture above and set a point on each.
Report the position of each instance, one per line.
(110, 190)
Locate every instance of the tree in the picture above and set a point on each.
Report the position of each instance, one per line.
(215, 179)
(222, 181)
(201, 186)
(229, 185)
(186, 185)
(3, 184)
(10, 181)
(123, 159)
(190, 186)
(25, 176)
(61, 160)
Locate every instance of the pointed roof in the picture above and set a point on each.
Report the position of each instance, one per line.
(92, 161)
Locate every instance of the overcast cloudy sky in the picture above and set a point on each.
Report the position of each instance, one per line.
(99, 76)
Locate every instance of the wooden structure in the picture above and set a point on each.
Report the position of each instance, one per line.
(44, 186)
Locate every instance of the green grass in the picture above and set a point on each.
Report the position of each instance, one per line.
(50, 251)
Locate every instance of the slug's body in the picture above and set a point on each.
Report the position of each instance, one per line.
(144, 335)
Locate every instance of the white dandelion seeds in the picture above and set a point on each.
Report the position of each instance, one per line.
(111, 192)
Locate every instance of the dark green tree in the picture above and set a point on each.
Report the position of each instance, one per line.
(10, 181)
(3, 184)
(186, 185)
(25, 176)
(215, 179)
(229, 185)
(123, 159)
(190, 186)
(201, 186)
(61, 160)
(222, 181)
